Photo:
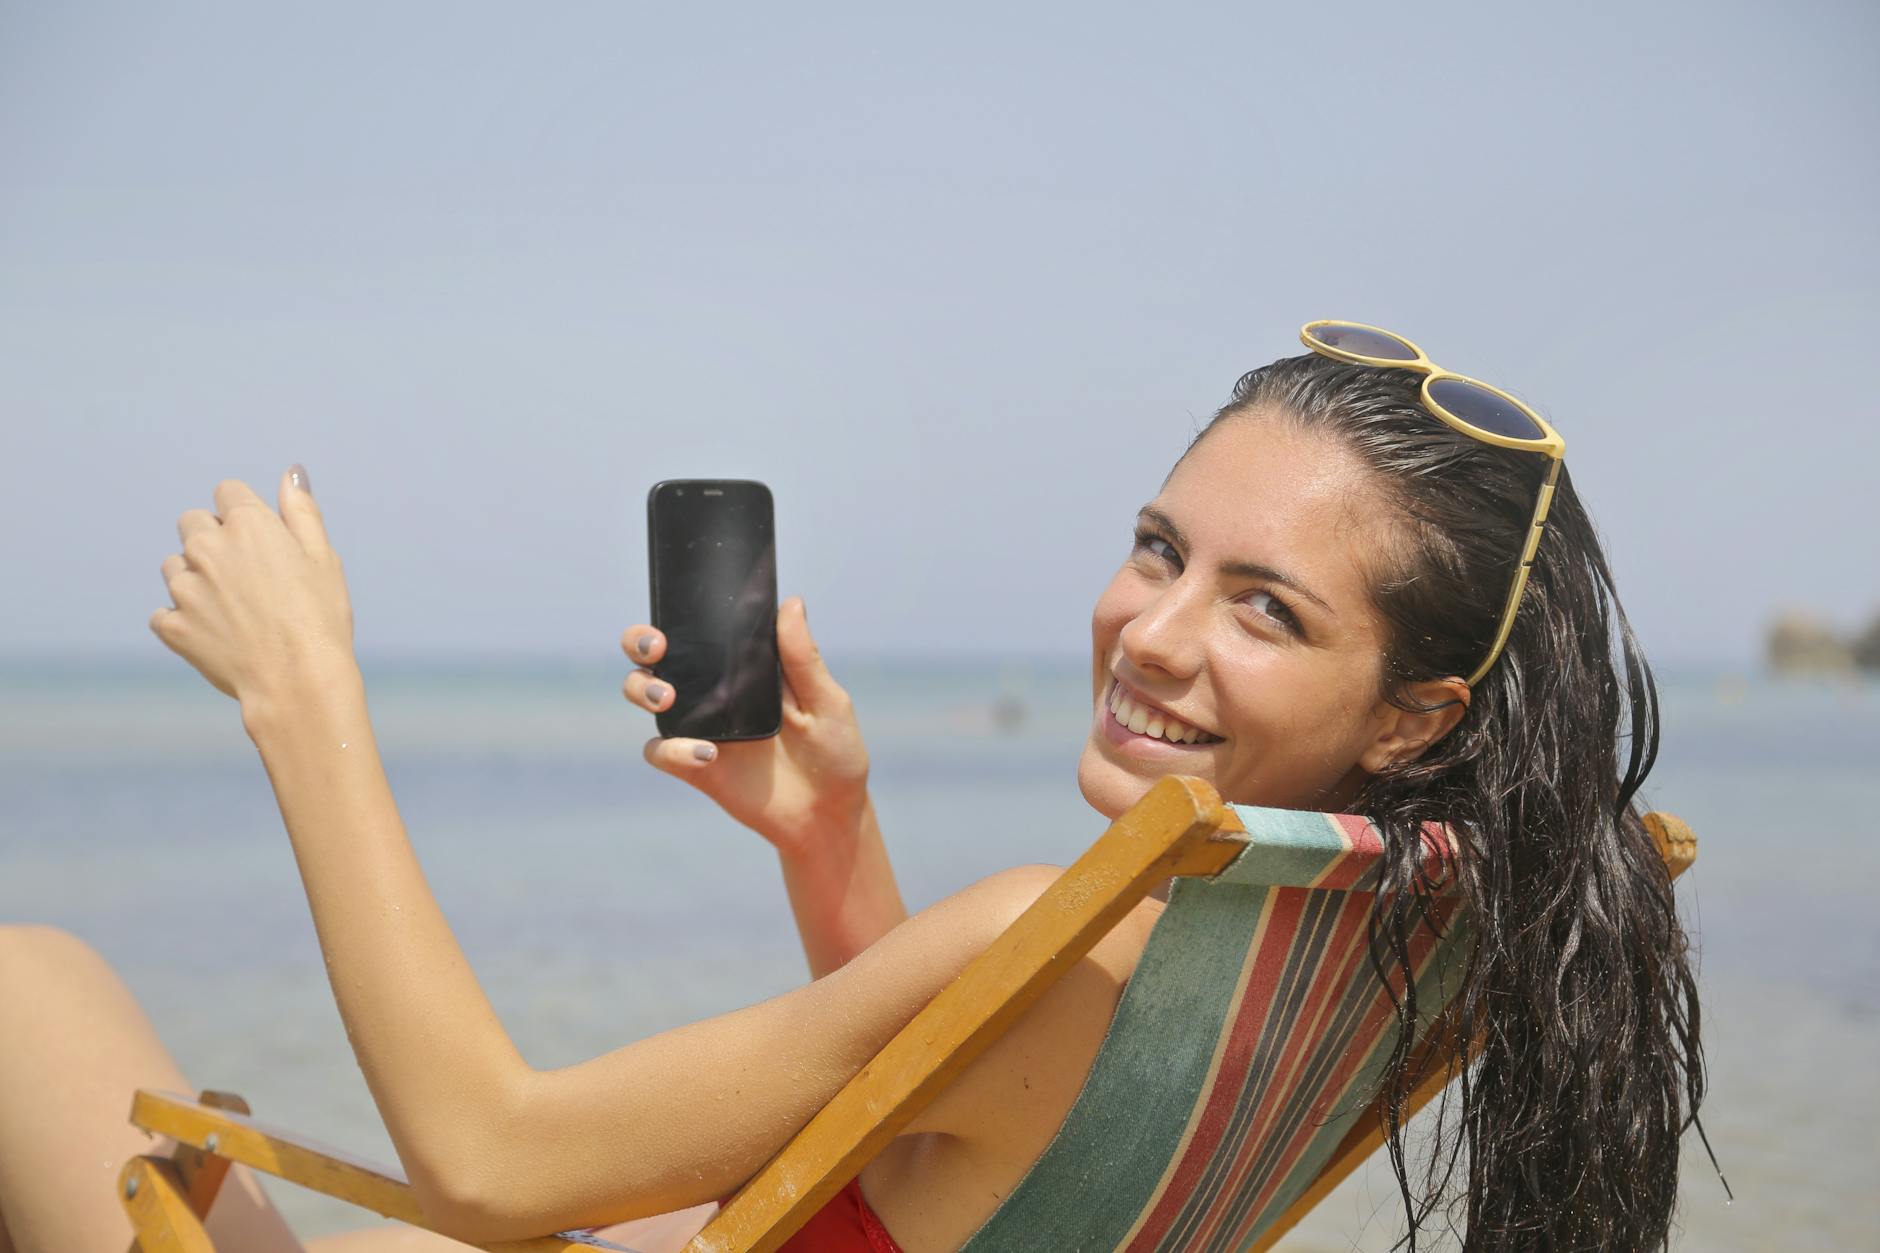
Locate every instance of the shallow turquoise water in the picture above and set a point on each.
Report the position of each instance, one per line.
(601, 901)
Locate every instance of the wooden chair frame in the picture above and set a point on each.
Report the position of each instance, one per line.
(1179, 828)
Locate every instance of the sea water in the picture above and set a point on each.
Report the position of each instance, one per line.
(600, 901)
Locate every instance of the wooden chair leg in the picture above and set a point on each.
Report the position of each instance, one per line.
(167, 1198)
(157, 1200)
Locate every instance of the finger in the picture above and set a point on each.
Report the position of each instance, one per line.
(232, 494)
(173, 565)
(300, 511)
(644, 643)
(647, 691)
(816, 689)
(678, 756)
(194, 520)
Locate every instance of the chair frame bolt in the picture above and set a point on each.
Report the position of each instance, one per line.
(130, 1187)
(209, 1144)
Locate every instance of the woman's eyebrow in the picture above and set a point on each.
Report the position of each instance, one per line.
(1235, 569)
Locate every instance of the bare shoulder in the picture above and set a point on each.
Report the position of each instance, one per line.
(593, 1143)
(953, 1166)
(1017, 1093)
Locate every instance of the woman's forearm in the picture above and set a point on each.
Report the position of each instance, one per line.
(843, 895)
(435, 1057)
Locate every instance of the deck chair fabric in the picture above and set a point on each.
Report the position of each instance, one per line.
(1247, 1043)
(1233, 1088)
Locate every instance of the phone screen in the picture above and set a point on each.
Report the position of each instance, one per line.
(713, 564)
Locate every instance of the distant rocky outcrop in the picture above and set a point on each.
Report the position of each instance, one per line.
(1798, 642)
(1866, 646)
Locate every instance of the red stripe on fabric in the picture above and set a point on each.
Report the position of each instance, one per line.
(1341, 960)
(1369, 1035)
(1364, 845)
(1217, 1104)
(1359, 834)
(1330, 977)
(1362, 848)
(1358, 1048)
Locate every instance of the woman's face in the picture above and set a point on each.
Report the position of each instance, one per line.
(1244, 611)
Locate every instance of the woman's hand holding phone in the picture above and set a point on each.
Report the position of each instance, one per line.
(804, 786)
(804, 789)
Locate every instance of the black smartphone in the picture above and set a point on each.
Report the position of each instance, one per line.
(712, 561)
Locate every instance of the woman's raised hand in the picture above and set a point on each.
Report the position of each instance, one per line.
(811, 776)
(258, 597)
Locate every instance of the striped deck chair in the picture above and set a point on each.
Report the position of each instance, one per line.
(1236, 1084)
(1247, 1043)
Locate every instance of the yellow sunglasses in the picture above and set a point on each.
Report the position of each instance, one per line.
(1472, 407)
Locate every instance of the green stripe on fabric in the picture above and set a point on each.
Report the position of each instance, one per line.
(1098, 1176)
(1439, 982)
(1291, 848)
(1098, 1173)
(1295, 985)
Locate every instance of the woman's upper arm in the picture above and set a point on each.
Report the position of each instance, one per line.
(688, 1115)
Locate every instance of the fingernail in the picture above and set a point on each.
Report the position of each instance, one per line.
(298, 474)
(655, 692)
(643, 645)
(705, 752)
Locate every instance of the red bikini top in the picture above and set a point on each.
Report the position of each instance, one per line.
(844, 1225)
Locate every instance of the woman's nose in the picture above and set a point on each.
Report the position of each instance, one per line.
(1167, 634)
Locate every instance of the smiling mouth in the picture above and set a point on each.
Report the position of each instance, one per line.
(1154, 723)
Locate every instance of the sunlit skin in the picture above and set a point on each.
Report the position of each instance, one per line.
(1287, 676)
(1203, 620)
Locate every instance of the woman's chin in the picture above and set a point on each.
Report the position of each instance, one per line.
(1110, 788)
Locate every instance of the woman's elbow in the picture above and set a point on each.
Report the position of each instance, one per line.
(476, 1209)
(452, 1209)
(469, 1184)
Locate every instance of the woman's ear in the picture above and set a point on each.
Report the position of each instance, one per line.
(1405, 735)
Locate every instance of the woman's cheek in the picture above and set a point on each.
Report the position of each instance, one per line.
(1112, 608)
(1252, 708)
(1113, 611)
(1247, 772)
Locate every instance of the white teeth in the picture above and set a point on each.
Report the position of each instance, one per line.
(1146, 721)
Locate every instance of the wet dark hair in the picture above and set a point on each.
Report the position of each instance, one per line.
(1578, 984)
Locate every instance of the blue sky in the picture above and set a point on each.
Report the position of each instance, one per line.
(958, 283)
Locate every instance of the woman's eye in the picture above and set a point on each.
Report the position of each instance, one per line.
(1147, 541)
(1268, 605)
(1264, 603)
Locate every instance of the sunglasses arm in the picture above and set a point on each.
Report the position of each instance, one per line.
(1535, 527)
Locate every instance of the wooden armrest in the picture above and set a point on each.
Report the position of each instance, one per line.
(1179, 828)
(1676, 842)
(236, 1137)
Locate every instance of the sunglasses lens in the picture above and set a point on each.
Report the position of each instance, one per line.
(1483, 408)
(1362, 342)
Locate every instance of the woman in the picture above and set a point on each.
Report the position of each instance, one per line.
(1312, 616)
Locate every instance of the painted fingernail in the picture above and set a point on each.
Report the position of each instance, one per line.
(655, 692)
(297, 474)
(643, 645)
(705, 752)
